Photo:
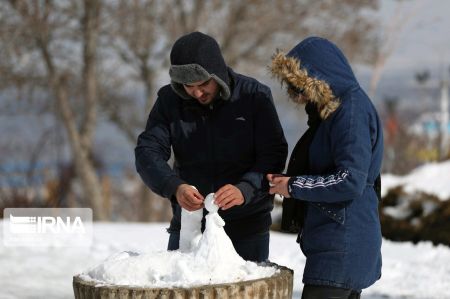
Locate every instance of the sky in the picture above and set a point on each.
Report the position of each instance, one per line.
(423, 44)
(413, 271)
(425, 38)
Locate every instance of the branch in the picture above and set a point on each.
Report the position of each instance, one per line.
(90, 36)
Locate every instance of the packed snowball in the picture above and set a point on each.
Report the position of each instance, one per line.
(202, 259)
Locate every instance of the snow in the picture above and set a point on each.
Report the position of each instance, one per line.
(210, 204)
(205, 260)
(432, 178)
(419, 271)
(191, 229)
(134, 254)
(191, 226)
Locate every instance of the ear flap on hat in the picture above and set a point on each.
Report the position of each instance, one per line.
(179, 90)
(225, 90)
(189, 73)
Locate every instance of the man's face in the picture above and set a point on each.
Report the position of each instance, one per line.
(203, 91)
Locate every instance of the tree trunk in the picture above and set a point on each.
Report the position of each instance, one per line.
(83, 165)
(80, 140)
(90, 37)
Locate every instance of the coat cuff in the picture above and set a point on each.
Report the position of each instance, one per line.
(171, 186)
(289, 186)
(247, 191)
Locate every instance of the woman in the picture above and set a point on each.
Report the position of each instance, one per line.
(332, 171)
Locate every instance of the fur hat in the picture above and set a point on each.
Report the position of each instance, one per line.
(289, 71)
(197, 57)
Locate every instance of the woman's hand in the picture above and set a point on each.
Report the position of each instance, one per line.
(278, 184)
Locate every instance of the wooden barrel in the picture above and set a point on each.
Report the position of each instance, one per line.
(278, 286)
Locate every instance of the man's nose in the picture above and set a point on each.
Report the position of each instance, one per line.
(198, 92)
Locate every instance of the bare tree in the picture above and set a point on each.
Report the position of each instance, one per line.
(45, 26)
(138, 35)
(102, 58)
(141, 33)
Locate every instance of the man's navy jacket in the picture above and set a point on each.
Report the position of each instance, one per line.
(235, 141)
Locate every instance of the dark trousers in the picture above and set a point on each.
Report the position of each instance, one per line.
(327, 292)
(253, 248)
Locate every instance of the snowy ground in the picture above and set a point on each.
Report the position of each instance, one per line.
(409, 271)
(431, 178)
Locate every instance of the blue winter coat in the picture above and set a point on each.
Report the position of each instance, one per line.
(341, 237)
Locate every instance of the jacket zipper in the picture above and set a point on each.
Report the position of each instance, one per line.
(211, 124)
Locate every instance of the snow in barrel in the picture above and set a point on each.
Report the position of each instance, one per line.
(206, 266)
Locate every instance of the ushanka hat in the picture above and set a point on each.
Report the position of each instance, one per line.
(197, 57)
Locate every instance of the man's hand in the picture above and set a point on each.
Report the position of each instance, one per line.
(228, 196)
(278, 184)
(189, 198)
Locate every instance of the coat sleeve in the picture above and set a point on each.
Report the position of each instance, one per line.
(351, 148)
(152, 152)
(270, 147)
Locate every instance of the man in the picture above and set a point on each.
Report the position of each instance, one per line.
(225, 135)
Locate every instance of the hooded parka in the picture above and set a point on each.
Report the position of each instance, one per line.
(341, 236)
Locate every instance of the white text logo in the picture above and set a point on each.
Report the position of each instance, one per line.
(45, 224)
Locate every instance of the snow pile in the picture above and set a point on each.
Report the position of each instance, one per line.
(212, 261)
(433, 179)
(191, 229)
(413, 271)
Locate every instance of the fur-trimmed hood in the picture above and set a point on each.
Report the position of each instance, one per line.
(319, 68)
